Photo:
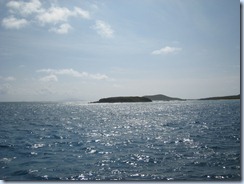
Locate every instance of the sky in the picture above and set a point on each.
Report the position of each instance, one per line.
(63, 50)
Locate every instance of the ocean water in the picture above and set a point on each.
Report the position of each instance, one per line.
(189, 140)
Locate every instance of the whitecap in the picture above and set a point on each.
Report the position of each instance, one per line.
(32, 171)
(219, 177)
(116, 171)
(82, 177)
(186, 140)
(5, 160)
(93, 151)
(45, 177)
(33, 153)
(37, 145)
(135, 175)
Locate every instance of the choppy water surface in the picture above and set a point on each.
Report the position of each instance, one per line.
(190, 140)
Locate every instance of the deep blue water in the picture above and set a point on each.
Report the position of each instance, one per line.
(190, 140)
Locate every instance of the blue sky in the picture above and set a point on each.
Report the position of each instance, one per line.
(60, 49)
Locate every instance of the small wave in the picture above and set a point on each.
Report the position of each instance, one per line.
(33, 153)
(20, 173)
(6, 146)
(75, 178)
(93, 151)
(223, 177)
(33, 171)
(6, 160)
(37, 146)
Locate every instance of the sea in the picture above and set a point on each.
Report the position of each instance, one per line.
(156, 141)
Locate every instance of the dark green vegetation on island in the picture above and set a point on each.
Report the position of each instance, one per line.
(161, 97)
(223, 98)
(123, 99)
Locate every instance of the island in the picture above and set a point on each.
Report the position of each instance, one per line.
(161, 97)
(233, 97)
(122, 99)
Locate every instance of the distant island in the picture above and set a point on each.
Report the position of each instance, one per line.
(123, 99)
(233, 97)
(161, 97)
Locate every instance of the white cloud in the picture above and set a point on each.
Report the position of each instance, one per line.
(103, 29)
(25, 8)
(69, 72)
(13, 23)
(33, 12)
(80, 12)
(166, 50)
(7, 79)
(62, 29)
(10, 79)
(73, 73)
(49, 78)
(54, 15)
(61, 14)
(98, 76)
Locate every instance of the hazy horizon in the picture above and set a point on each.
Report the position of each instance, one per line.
(94, 100)
(58, 50)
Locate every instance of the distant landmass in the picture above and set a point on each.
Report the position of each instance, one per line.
(161, 97)
(233, 97)
(123, 99)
